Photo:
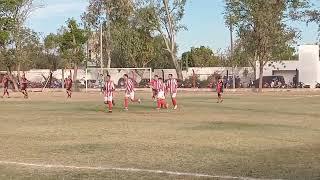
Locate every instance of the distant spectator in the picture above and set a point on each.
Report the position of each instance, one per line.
(294, 80)
(272, 84)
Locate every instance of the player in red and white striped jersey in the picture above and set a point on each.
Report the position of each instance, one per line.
(161, 89)
(108, 92)
(172, 88)
(129, 92)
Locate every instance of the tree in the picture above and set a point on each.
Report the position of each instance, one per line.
(22, 10)
(7, 24)
(262, 24)
(313, 16)
(134, 41)
(103, 14)
(72, 41)
(166, 20)
(51, 45)
(30, 48)
(200, 57)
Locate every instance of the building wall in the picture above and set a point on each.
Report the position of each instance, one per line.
(286, 69)
(287, 74)
(308, 66)
(204, 72)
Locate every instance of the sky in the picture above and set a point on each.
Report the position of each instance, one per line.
(203, 18)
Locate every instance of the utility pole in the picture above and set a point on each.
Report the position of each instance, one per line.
(101, 49)
(231, 54)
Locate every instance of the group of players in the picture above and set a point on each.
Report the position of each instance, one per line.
(23, 86)
(160, 90)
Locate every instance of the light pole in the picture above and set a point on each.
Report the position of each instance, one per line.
(101, 49)
(231, 53)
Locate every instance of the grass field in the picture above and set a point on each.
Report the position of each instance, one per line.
(274, 135)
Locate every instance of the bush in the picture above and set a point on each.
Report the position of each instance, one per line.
(209, 83)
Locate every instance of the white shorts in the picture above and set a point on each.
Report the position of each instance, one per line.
(161, 95)
(173, 95)
(107, 98)
(130, 95)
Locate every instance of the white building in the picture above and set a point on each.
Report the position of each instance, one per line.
(307, 68)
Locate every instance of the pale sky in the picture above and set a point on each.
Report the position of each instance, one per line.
(203, 18)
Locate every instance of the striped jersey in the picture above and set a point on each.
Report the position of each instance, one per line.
(161, 87)
(154, 84)
(109, 85)
(129, 86)
(220, 86)
(172, 85)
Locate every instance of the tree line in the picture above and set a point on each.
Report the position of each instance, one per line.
(143, 34)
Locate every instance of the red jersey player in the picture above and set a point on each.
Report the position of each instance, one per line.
(5, 82)
(220, 90)
(153, 84)
(172, 88)
(24, 85)
(129, 92)
(68, 83)
(161, 88)
(108, 92)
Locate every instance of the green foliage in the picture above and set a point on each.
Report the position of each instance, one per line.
(51, 46)
(313, 16)
(261, 26)
(71, 43)
(167, 22)
(7, 8)
(200, 57)
(132, 41)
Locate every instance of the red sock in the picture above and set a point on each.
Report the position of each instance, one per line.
(174, 102)
(159, 103)
(126, 103)
(164, 104)
(110, 105)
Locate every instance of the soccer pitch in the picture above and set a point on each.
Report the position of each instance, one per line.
(269, 136)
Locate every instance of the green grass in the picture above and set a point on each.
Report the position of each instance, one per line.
(260, 136)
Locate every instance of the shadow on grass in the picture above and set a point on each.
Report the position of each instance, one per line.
(222, 126)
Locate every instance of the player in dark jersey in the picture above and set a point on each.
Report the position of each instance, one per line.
(24, 85)
(68, 83)
(220, 90)
(5, 82)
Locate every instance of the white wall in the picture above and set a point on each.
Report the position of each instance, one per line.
(205, 72)
(283, 68)
(309, 64)
(287, 75)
